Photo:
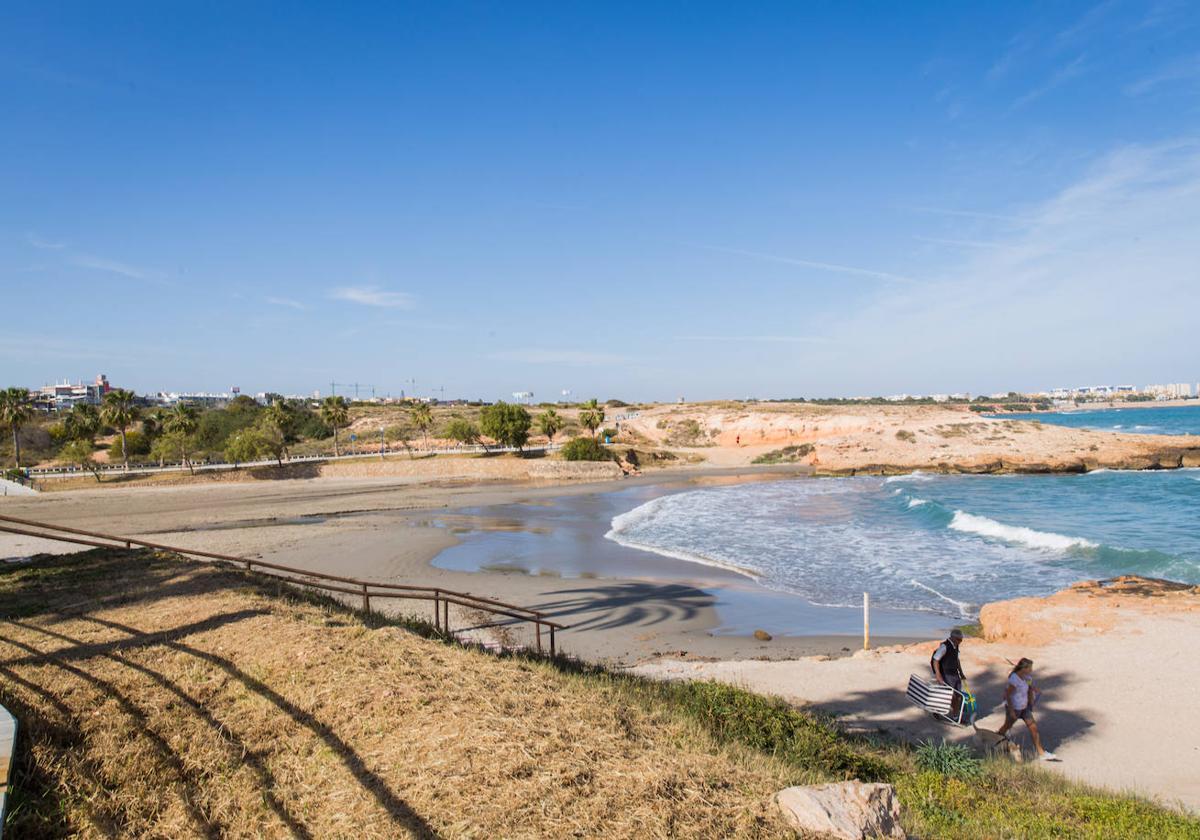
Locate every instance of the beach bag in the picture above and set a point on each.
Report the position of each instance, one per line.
(969, 707)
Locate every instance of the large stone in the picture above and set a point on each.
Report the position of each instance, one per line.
(846, 810)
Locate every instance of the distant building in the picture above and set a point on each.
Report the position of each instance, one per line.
(192, 398)
(63, 396)
(1170, 391)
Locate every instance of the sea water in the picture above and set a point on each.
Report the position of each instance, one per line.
(942, 544)
(1172, 420)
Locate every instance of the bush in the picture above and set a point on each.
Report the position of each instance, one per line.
(217, 427)
(787, 455)
(310, 425)
(507, 424)
(953, 760)
(585, 449)
(906, 435)
(136, 444)
(461, 430)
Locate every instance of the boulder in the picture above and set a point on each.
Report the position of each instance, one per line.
(846, 810)
(762, 635)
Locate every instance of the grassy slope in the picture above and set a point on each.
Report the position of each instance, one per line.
(160, 697)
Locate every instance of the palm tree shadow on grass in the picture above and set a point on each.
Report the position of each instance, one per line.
(159, 578)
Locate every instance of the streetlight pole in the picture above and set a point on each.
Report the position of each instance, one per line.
(381, 443)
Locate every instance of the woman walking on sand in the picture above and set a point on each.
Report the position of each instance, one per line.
(1019, 697)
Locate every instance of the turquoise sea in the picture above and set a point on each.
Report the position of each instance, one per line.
(1172, 420)
(933, 543)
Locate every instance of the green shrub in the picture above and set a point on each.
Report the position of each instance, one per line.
(953, 760)
(506, 424)
(906, 435)
(787, 455)
(585, 449)
(463, 431)
(217, 427)
(136, 444)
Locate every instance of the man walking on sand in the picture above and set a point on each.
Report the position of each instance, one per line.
(946, 668)
(1019, 697)
(944, 663)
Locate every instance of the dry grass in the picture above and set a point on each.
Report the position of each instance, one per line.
(163, 698)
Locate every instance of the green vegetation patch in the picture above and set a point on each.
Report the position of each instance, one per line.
(787, 455)
(585, 449)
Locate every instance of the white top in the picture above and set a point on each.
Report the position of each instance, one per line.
(1020, 695)
(940, 652)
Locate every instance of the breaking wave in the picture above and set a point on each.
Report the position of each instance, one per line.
(1044, 540)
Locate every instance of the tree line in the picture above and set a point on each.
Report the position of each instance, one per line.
(244, 431)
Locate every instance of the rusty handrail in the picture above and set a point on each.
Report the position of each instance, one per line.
(441, 598)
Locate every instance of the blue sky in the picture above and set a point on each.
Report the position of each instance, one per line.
(631, 200)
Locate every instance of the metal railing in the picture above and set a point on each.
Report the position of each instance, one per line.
(351, 451)
(367, 590)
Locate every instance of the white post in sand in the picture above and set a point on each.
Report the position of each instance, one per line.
(866, 621)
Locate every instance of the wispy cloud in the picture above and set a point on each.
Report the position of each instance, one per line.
(288, 302)
(1074, 288)
(570, 358)
(44, 244)
(373, 296)
(1061, 76)
(1018, 47)
(971, 214)
(37, 349)
(766, 339)
(123, 269)
(960, 243)
(1088, 23)
(1185, 69)
(820, 266)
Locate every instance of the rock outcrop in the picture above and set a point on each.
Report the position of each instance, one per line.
(846, 810)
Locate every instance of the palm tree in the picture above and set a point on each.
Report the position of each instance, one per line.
(120, 410)
(152, 422)
(335, 413)
(592, 415)
(282, 416)
(82, 422)
(15, 411)
(422, 418)
(182, 420)
(550, 423)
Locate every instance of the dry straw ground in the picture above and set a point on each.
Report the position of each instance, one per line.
(163, 698)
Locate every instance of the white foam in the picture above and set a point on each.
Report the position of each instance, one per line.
(915, 502)
(915, 475)
(963, 608)
(1046, 540)
(647, 512)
